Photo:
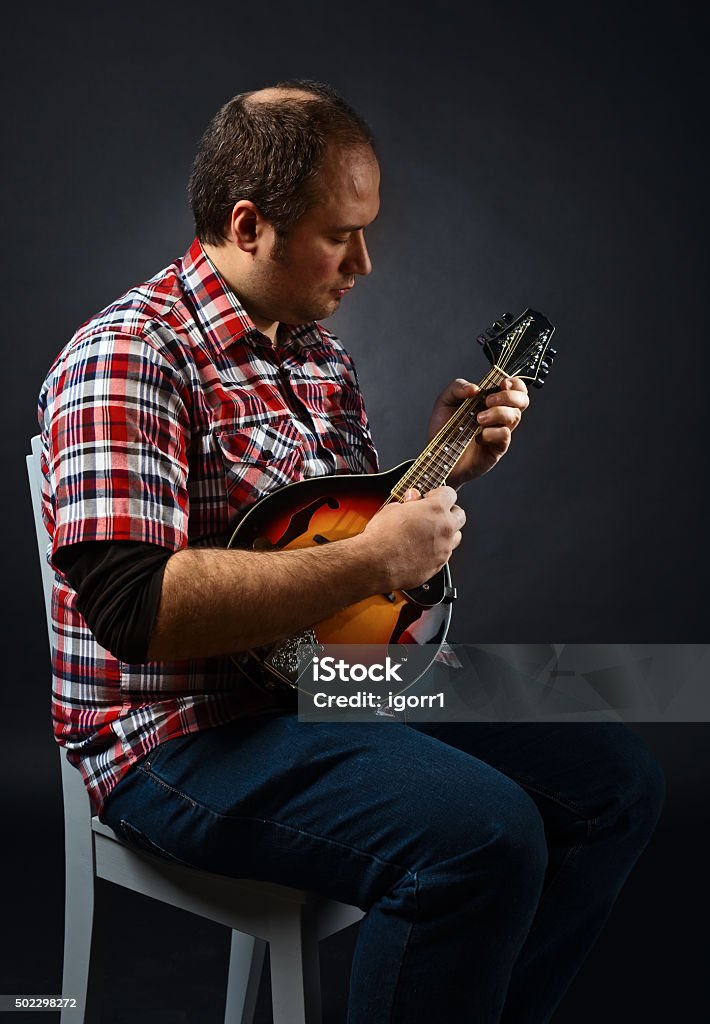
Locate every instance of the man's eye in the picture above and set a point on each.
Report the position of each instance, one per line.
(341, 241)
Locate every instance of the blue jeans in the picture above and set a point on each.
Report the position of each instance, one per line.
(487, 856)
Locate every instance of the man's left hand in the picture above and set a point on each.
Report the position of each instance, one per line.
(504, 409)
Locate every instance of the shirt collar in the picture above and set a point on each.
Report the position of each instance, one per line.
(222, 314)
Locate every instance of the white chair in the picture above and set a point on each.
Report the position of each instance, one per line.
(291, 921)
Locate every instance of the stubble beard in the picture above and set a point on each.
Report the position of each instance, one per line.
(319, 309)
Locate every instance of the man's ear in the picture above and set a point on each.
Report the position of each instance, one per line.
(246, 225)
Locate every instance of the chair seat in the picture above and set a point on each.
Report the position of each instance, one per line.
(246, 892)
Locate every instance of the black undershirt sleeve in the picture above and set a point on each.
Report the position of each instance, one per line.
(118, 586)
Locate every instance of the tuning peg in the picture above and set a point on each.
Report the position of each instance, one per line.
(497, 325)
(544, 367)
(482, 339)
(507, 317)
(551, 353)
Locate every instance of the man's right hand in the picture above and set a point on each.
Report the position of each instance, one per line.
(411, 541)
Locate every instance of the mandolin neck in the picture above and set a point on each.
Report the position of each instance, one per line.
(434, 465)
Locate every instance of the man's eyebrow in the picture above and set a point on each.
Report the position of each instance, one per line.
(353, 227)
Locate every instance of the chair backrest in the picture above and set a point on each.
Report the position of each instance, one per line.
(77, 807)
(34, 472)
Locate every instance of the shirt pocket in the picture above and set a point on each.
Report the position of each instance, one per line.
(258, 460)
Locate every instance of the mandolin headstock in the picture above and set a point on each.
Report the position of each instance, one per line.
(520, 347)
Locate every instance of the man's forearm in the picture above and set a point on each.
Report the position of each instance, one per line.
(216, 601)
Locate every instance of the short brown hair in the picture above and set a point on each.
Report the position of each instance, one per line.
(269, 152)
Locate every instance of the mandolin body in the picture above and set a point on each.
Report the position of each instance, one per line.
(325, 510)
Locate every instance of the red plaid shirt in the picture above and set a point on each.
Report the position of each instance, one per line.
(166, 415)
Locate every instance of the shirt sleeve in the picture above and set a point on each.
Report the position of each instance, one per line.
(119, 430)
(118, 586)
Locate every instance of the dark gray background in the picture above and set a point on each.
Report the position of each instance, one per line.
(541, 155)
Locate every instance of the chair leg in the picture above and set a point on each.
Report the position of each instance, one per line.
(295, 971)
(80, 973)
(246, 960)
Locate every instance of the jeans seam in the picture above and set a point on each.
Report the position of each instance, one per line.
(129, 829)
(145, 768)
(277, 824)
(405, 947)
(568, 857)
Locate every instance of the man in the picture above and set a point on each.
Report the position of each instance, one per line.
(486, 856)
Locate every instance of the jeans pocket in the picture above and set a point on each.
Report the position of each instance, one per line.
(165, 752)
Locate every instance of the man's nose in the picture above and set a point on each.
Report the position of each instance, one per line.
(358, 259)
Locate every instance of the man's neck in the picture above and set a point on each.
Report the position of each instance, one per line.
(219, 257)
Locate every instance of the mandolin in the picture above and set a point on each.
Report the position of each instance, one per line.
(326, 509)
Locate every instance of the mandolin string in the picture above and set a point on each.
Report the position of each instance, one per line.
(449, 433)
(451, 430)
(453, 427)
(430, 458)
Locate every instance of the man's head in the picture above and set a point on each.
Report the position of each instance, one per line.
(268, 147)
(283, 186)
